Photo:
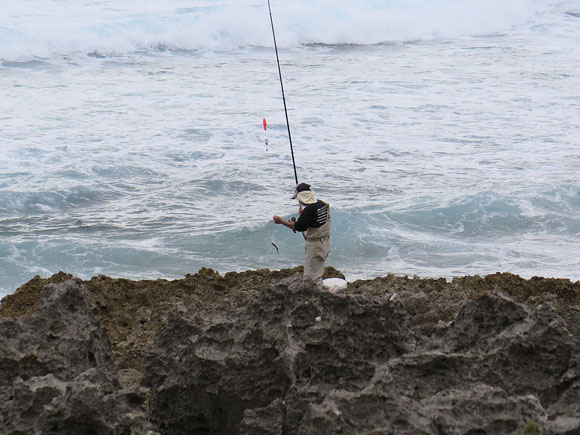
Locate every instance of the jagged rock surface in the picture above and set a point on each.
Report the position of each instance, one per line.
(495, 367)
(259, 353)
(301, 361)
(293, 343)
(56, 371)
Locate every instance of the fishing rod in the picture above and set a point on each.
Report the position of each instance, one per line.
(283, 96)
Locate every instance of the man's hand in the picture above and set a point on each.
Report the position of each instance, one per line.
(279, 220)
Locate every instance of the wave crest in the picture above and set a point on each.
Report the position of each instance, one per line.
(44, 29)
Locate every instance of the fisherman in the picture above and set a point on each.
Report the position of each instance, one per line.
(314, 224)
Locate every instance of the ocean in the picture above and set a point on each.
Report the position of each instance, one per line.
(443, 133)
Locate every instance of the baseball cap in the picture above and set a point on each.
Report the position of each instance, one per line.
(301, 188)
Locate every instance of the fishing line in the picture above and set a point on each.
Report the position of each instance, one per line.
(283, 96)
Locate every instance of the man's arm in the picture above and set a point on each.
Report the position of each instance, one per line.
(289, 224)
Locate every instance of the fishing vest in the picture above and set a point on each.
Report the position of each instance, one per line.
(320, 233)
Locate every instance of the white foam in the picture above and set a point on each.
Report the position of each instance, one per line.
(43, 28)
(448, 157)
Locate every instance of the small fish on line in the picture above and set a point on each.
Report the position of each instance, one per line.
(276, 246)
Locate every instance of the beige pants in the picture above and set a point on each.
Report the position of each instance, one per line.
(316, 254)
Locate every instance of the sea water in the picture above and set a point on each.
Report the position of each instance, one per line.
(444, 135)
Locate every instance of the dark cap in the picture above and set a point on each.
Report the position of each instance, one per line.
(302, 187)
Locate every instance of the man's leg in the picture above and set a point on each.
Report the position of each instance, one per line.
(316, 255)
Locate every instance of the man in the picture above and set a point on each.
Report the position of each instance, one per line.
(314, 224)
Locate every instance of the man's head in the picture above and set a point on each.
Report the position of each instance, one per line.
(304, 195)
(302, 187)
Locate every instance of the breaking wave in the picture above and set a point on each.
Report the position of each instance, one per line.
(453, 239)
(47, 28)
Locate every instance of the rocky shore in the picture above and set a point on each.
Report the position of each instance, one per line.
(260, 353)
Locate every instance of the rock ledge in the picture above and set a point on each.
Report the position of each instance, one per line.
(260, 353)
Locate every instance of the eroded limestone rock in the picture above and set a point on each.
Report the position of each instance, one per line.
(258, 353)
(57, 374)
